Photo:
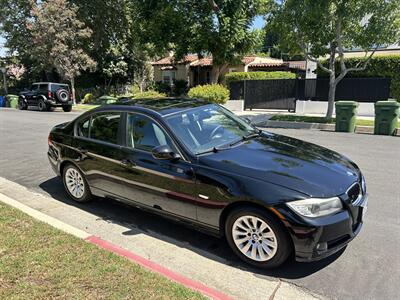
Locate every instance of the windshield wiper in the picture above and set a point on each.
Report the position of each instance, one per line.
(246, 138)
(211, 150)
(242, 139)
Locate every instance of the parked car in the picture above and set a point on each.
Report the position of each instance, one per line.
(46, 95)
(269, 195)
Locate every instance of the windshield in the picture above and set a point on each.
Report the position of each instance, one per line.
(208, 127)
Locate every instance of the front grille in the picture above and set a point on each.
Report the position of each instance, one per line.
(354, 192)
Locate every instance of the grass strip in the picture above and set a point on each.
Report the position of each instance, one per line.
(38, 261)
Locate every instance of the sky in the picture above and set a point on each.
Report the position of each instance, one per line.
(2, 47)
(258, 22)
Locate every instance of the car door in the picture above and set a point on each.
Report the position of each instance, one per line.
(30, 96)
(168, 185)
(97, 140)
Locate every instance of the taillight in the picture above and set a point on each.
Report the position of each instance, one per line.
(49, 94)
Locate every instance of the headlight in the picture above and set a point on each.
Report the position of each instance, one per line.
(315, 207)
(363, 185)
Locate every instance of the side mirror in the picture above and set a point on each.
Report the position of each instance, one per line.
(164, 152)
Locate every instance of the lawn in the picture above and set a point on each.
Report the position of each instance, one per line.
(85, 106)
(294, 118)
(40, 262)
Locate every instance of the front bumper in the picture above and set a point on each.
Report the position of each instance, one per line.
(318, 238)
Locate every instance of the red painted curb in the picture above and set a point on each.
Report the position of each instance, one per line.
(197, 286)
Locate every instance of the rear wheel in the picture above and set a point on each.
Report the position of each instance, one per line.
(42, 105)
(67, 108)
(75, 184)
(257, 237)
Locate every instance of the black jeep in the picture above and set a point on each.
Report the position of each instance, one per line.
(46, 95)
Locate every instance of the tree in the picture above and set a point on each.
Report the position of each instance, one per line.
(325, 28)
(58, 37)
(16, 71)
(221, 28)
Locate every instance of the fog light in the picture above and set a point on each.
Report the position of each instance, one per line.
(322, 246)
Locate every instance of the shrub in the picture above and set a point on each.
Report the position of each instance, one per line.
(163, 87)
(106, 100)
(379, 66)
(180, 87)
(211, 92)
(89, 98)
(149, 95)
(234, 76)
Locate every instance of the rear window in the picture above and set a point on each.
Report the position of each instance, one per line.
(56, 87)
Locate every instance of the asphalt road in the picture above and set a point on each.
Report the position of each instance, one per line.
(368, 269)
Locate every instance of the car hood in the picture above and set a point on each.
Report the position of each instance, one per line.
(288, 162)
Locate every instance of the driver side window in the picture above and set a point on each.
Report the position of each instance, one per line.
(145, 134)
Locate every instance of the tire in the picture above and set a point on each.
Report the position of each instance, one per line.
(270, 235)
(62, 95)
(75, 184)
(42, 105)
(22, 104)
(67, 108)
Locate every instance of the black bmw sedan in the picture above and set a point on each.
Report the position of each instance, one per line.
(269, 195)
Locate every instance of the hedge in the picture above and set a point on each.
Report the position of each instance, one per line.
(379, 66)
(149, 95)
(215, 93)
(235, 76)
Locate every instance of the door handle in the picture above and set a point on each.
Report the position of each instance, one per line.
(128, 163)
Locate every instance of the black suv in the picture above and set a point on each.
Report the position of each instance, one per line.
(46, 95)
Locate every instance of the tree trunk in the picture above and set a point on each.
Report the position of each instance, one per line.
(5, 81)
(214, 74)
(331, 95)
(73, 90)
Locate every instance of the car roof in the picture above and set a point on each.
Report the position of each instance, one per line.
(50, 83)
(162, 106)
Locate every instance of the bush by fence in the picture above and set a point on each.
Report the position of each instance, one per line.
(149, 95)
(236, 76)
(387, 66)
(211, 92)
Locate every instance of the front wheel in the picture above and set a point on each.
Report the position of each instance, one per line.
(42, 105)
(257, 237)
(22, 105)
(75, 184)
(67, 108)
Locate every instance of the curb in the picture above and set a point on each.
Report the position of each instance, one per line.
(149, 265)
(316, 126)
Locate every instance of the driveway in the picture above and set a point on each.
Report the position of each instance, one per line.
(368, 269)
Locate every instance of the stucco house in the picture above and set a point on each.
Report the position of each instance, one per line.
(199, 70)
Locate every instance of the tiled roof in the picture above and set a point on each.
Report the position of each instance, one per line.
(269, 64)
(300, 64)
(202, 62)
(195, 61)
(169, 60)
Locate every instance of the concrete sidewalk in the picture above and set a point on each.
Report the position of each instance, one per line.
(174, 255)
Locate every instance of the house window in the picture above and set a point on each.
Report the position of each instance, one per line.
(168, 77)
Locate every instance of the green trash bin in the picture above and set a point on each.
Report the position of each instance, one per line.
(386, 116)
(346, 112)
(12, 101)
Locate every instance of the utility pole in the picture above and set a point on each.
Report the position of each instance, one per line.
(3, 70)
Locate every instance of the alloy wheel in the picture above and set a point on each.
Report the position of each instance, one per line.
(254, 238)
(75, 183)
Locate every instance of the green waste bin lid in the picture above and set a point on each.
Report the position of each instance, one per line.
(346, 103)
(388, 103)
